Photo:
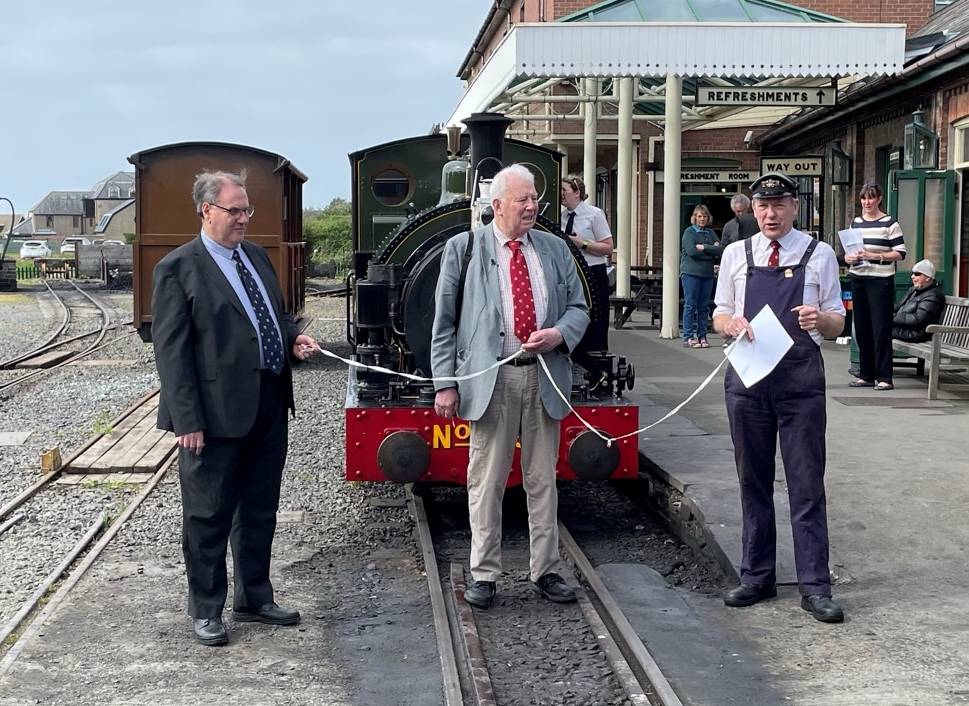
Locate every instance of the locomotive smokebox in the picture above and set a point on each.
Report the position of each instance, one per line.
(591, 459)
(487, 132)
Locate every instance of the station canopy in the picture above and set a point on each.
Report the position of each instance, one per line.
(732, 43)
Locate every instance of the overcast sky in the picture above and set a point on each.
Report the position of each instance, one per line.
(85, 84)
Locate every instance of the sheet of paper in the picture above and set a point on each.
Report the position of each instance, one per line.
(754, 360)
(852, 240)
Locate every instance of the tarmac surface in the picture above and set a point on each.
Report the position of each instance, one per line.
(897, 484)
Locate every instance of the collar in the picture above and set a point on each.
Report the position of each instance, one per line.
(215, 247)
(502, 238)
(787, 240)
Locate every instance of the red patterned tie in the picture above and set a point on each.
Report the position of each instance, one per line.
(775, 258)
(521, 290)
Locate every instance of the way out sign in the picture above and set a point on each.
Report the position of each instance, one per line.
(805, 166)
(796, 96)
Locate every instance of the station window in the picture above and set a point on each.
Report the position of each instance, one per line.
(390, 186)
(960, 153)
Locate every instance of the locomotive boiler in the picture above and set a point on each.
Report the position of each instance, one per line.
(408, 198)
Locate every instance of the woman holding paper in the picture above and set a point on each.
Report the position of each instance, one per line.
(699, 250)
(872, 278)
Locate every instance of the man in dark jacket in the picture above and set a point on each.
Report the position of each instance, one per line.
(743, 225)
(224, 346)
(921, 306)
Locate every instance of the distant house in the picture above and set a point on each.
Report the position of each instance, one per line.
(115, 223)
(63, 213)
(5, 222)
(108, 194)
(59, 214)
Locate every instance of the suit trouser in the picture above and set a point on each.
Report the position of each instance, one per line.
(515, 411)
(231, 492)
(873, 305)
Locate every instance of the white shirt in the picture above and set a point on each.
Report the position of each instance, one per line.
(539, 293)
(822, 288)
(590, 223)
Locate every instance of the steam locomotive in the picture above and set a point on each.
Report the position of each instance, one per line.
(408, 198)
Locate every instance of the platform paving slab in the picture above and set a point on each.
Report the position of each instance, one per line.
(897, 488)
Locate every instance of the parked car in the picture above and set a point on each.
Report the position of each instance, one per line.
(112, 242)
(34, 248)
(71, 242)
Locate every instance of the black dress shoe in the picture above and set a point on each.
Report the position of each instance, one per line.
(480, 594)
(269, 613)
(210, 631)
(553, 587)
(747, 594)
(823, 608)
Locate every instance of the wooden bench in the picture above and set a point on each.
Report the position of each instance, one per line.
(949, 343)
(647, 295)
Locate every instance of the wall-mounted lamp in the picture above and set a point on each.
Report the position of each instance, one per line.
(840, 165)
(921, 144)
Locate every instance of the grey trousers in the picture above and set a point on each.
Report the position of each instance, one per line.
(515, 411)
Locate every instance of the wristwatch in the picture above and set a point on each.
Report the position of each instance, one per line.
(585, 244)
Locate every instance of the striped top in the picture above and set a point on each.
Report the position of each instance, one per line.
(882, 236)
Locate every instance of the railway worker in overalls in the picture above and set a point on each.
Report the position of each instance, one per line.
(797, 277)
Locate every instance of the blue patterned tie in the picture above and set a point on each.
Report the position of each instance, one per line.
(272, 348)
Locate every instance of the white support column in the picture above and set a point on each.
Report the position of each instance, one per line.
(624, 187)
(565, 162)
(634, 201)
(671, 207)
(590, 86)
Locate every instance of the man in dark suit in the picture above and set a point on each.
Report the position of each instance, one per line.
(221, 340)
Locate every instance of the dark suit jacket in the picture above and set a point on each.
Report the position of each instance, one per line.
(206, 350)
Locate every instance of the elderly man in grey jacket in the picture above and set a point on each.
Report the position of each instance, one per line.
(521, 291)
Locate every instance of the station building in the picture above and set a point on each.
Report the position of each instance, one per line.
(722, 146)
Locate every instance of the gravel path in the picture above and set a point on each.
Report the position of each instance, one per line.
(61, 409)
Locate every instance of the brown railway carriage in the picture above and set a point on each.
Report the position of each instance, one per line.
(165, 217)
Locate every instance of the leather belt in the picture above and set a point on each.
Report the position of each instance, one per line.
(518, 362)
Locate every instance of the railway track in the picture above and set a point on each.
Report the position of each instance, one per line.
(63, 346)
(50, 586)
(604, 660)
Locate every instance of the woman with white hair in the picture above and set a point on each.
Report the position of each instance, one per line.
(921, 306)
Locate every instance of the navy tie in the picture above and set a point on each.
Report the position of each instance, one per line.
(272, 348)
(569, 222)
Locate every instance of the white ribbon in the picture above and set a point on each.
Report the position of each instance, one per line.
(452, 378)
(541, 359)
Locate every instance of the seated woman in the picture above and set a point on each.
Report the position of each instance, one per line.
(921, 306)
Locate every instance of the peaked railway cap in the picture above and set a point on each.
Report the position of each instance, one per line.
(773, 186)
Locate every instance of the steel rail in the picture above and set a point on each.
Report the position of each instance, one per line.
(65, 320)
(11, 522)
(648, 673)
(28, 493)
(72, 359)
(7, 364)
(481, 685)
(445, 645)
(102, 331)
(28, 607)
(37, 623)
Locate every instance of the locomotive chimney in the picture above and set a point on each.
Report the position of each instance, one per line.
(487, 132)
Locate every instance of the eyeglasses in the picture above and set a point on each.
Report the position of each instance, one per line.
(236, 212)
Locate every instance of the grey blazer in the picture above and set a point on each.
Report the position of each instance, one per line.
(478, 341)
